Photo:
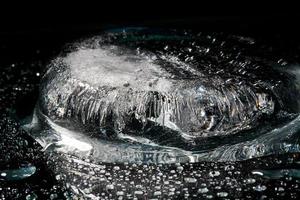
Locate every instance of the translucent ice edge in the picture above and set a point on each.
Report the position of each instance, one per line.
(53, 137)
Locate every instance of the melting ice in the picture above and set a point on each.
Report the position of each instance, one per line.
(148, 96)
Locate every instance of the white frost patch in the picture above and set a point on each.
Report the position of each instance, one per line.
(101, 67)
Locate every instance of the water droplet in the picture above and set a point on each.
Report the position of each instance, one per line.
(3, 174)
(18, 174)
(31, 196)
(157, 193)
(260, 188)
(138, 192)
(250, 181)
(203, 190)
(222, 194)
(110, 187)
(190, 180)
(214, 173)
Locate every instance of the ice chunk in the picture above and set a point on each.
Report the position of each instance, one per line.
(112, 88)
(153, 97)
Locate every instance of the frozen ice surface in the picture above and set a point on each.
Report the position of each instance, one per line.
(103, 68)
(111, 86)
(145, 92)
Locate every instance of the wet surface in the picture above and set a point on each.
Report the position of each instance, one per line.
(54, 175)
